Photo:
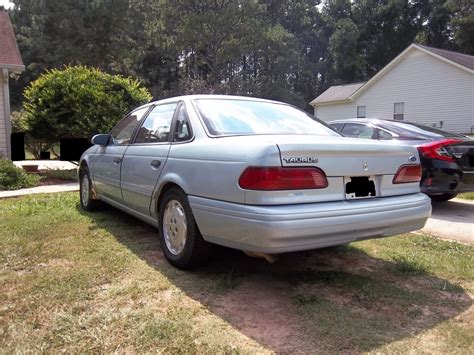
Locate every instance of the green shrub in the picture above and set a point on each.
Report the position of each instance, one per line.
(12, 177)
(78, 102)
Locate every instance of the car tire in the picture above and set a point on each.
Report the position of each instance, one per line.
(85, 191)
(443, 197)
(180, 239)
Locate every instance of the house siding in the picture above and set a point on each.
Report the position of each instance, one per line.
(3, 128)
(432, 90)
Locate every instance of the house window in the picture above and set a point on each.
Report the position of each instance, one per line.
(360, 111)
(398, 109)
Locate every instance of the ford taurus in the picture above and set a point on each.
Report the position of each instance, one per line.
(256, 175)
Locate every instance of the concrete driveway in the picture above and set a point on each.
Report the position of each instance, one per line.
(452, 220)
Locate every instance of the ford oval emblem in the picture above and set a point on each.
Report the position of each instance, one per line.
(412, 159)
(365, 166)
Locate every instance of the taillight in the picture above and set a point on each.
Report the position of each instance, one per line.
(407, 173)
(437, 150)
(278, 178)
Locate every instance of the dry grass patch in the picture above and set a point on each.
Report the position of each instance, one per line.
(78, 282)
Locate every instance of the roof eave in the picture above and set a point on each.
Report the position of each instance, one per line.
(398, 59)
(460, 66)
(14, 68)
(332, 102)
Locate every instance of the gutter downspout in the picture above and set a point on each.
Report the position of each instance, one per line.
(8, 125)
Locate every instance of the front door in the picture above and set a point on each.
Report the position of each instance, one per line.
(107, 162)
(144, 160)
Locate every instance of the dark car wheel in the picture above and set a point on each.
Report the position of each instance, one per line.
(180, 239)
(85, 191)
(443, 197)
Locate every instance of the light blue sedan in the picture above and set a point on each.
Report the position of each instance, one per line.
(256, 175)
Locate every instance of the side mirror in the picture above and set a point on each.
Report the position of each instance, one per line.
(101, 139)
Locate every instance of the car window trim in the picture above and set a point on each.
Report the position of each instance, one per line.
(142, 121)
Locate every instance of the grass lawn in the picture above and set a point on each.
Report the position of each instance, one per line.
(466, 196)
(79, 282)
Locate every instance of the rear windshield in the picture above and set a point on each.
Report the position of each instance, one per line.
(224, 117)
(414, 130)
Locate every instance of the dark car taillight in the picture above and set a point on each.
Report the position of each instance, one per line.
(437, 150)
(407, 173)
(278, 178)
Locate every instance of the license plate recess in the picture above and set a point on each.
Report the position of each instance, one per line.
(357, 187)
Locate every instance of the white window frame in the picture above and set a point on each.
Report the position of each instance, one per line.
(361, 115)
(398, 111)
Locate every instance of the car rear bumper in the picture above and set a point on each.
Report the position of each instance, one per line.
(442, 177)
(286, 228)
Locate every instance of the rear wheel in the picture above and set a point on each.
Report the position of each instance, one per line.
(85, 191)
(180, 239)
(443, 197)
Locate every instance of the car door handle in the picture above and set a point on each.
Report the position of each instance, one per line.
(155, 164)
(117, 161)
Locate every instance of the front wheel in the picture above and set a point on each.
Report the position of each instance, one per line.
(443, 197)
(180, 239)
(85, 191)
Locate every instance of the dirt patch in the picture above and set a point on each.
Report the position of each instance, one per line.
(263, 310)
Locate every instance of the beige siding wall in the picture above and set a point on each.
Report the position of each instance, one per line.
(3, 135)
(431, 89)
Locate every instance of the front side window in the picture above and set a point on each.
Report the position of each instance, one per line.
(224, 117)
(398, 110)
(122, 133)
(157, 125)
(356, 130)
(360, 111)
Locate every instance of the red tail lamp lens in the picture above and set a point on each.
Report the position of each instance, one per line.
(407, 173)
(437, 150)
(278, 178)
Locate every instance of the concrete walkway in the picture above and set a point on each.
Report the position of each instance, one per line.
(47, 164)
(74, 186)
(452, 220)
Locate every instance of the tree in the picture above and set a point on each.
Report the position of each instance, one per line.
(462, 24)
(78, 102)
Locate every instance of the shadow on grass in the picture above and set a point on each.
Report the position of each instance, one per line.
(329, 300)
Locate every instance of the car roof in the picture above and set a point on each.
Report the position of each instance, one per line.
(402, 128)
(209, 96)
(363, 120)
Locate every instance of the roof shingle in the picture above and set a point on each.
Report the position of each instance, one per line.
(337, 93)
(9, 52)
(459, 58)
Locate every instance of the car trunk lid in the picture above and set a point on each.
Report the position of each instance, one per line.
(347, 157)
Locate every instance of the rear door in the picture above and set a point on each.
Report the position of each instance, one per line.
(144, 160)
(107, 162)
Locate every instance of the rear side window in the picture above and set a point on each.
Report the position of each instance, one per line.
(384, 135)
(337, 126)
(182, 128)
(357, 130)
(157, 125)
(224, 117)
